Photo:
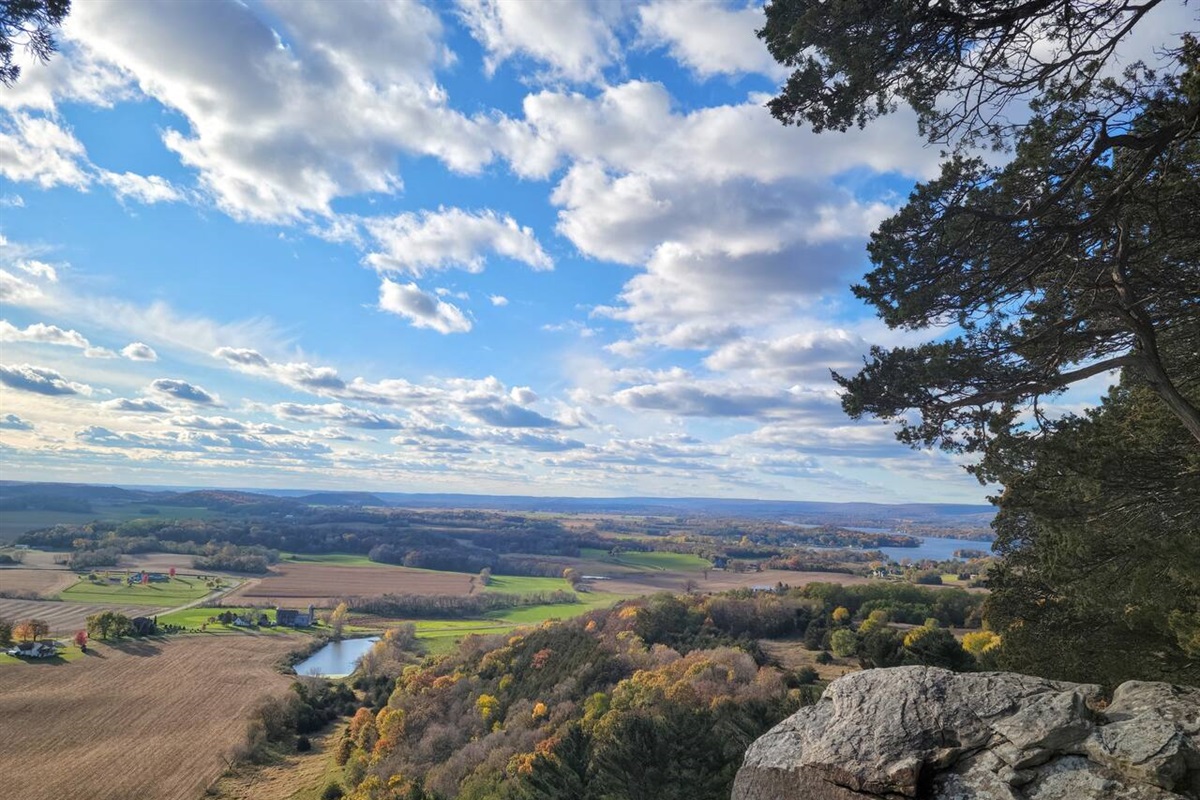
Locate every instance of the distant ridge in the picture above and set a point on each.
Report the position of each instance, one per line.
(16, 494)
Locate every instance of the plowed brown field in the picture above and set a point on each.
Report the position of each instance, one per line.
(66, 618)
(323, 584)
(146, 720)
(45, 582)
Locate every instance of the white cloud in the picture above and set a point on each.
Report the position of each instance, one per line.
(632, 127)
(804, 356)
(708, 37)
(439, 240)
(39, 150)
(573, 39)
(498, 300)
(138, 351)
(40, 380)
(40, 333)
(339, 413)
(182, 390)
(422, 309)
(11, 422)
(146, 189)
(139, 405)
(38, 269)
(282, 122)
(299, 375)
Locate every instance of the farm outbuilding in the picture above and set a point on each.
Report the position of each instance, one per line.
(34, 649)
(293, 618)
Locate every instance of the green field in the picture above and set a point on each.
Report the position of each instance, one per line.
(519, 584)
(339, 559)
(176, 592)
(660, 561)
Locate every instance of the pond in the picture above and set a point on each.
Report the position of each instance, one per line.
(336, 659)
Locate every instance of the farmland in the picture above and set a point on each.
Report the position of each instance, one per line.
(172, 593)
(66, 618)
(301, 583)
(41, 582)
(99, 716)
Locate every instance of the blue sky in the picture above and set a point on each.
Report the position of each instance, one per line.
(527, 247)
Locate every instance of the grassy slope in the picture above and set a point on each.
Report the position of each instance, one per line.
(520, 584)
(659, 561)
(176, 592)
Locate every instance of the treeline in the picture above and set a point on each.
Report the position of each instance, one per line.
(511, 547)
(281, 725)
(454, 606)
(585, 709)
(232, 558)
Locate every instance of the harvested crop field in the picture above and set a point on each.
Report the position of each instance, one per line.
(149, 719)
(322, 584)
(44, 582)
(66, 618)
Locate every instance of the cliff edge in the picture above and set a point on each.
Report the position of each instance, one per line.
(922, 732)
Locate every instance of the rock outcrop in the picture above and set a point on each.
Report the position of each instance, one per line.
(921, 732)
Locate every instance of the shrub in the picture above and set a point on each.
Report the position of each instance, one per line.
(333, 791)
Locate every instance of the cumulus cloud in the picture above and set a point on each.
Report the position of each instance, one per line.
(39, 150)
(498, 300)
(807, 356)
(229, 425)
(509, 415)
(422, 309)
(12, 422)
(17, 290)
(297, 374)
(708, 37)
(42, 334)
(199, 442)
(634, 127)
(137, 351)
(339, 413)
(282, 122)
(182, 390)
(572, 39)
(39, 380)
(139, 405)
(450, 237)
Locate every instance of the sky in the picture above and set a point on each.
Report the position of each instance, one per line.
(511, 247)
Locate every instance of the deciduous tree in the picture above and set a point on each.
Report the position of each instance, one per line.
(31, 630)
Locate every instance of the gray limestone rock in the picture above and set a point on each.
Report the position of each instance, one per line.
(922, 732)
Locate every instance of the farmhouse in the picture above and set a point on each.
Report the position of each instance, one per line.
(34, 649)
(293, 618)
(148, 577)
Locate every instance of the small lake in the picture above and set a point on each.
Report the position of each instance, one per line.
(336, 659)
(936, 549)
